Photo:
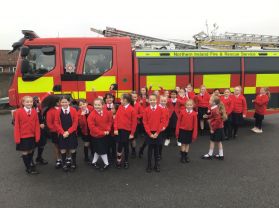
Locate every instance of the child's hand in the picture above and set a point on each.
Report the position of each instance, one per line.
(155, 135)
(66, 134)
(42, 126)
(163, 129)
(106, 133)
(205, 116)
(83, 113)
(211, 131)
(253, 101)
(244, 116)
(152, 136)
(131, 136)
(115, 132)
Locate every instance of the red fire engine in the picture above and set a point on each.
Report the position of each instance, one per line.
(76, 66)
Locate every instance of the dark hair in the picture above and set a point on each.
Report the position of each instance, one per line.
(127, 97)
(145, 90)
(50, 101)
(109, 95)
(81, 101)
(216, 89)
(173, 91)
(67, 97)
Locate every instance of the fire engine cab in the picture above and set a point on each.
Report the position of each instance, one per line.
(83, 67)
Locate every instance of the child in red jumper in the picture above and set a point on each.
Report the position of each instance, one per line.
(83, 113)
(239, 109)
(153, 121)
(66, 122)
(165, 112)
(261, 103)
(228, 103)
(26, 132)
(202, 102)
(125, 125)
(99, 123)
(138, 108)
(174, 108)
(216, 123)
(187, 129)
(189, 92)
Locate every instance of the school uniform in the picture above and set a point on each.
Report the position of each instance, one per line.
(182, 102)
(228, 103)
(261, 103)
(26, 134)
(67, 120)
(239, 109)
(217, 124)
(26, 129)
(187, 126)
(98, 123)
(165, 113)
(202, 103)
(138, 109)
(50, 118)
(83, 125)
(43, 132)
(174, 108)
(190, 95)
(125, 123)
(153, 121)
(109, 106)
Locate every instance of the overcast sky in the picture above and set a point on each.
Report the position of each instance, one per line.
(166, 19)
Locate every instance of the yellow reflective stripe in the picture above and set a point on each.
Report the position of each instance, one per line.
(197, 90)
(217, 80)
(168, 82)
(101, 84)
(121, 92)
(232, 89)
(43, 84)
(249, 90)
(142, 54)
(267, 80)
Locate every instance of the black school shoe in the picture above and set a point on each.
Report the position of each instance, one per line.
(140, 154)
(206, 157)
(218, 157)
(32, 171)
(157, 168)
(73, 166)
(41, 161)
(95, 165)
(58, 164)
(126, 165)
(187, 160)
(65, 168)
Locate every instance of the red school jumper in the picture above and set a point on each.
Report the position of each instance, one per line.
(187, 121)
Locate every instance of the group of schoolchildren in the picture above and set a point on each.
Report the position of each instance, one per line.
(109, 130)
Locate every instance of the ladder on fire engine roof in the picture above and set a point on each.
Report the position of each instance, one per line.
(237, 40)
(143, 42)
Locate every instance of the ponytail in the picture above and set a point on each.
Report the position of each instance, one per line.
(266, 89)
(222, 111)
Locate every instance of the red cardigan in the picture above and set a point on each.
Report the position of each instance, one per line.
(82, 121)
(173, 108)
(228, 103)
(153, 120)
(126, 119)
(215, 119)
(58, 124)
(240, 105)
(99, 124)
(50, 118)
(26, 126)
(261, 102)
(202, 101)
(187, 121)
(191, 95)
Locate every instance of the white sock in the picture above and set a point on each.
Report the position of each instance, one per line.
(210, 153)
(105, 159)
(96, 156)
(221, 152)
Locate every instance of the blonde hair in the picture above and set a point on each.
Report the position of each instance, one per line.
(99, 99)
(221, 107)
(190, 101)
(26, 97)
(266, 89)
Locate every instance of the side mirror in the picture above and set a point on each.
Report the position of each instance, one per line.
(25, 66)
(24, 51)
(48, 50)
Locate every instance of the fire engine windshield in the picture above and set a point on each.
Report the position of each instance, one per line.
(97, 61)
(40, 63)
